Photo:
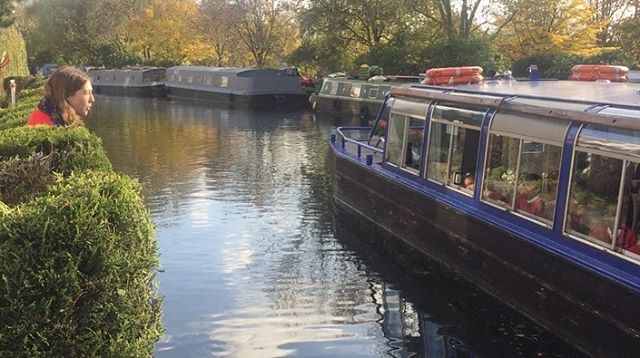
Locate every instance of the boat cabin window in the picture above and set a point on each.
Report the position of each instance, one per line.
(523, 162)
(344, 89)
(373, 92)
(405, 134)
(603, 206)
(453, 146)
(355, 91)
(224, 81)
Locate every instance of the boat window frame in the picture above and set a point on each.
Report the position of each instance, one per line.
(454, 123)
(372, 89)
(407, 118)
(522, 138)
(611, 248)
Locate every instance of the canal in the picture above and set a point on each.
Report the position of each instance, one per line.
(253, 262)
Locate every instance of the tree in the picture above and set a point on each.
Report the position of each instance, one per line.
(607, 12)
(530, 27)
(77, 31)
(267, 29)
(7, 8)
(162, 31)
(217, 23)
(455, 22)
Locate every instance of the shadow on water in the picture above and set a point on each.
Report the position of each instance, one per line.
(457, 319)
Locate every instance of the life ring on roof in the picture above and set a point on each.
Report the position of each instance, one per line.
(453, 80)
(454, 71)
(609, 69)
(594, 76)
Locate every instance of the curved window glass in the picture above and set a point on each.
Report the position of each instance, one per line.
(405, 134)
(453, 146)
(523, 163)
(604, 200)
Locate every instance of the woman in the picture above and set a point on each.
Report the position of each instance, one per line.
(68, 95)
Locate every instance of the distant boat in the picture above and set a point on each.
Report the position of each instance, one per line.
(340, 95)
(137, 82)
(246, 87)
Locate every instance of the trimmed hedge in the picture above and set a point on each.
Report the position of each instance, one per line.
(77, 269)
(77, 148)
(77, 251)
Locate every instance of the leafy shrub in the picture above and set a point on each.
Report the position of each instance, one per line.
(550, 65)
(77, 270)
(24, 178)
(472, 51)
(558, 65)
(76, 147)
(614, 57)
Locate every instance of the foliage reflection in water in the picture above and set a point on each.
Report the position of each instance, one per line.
(252, 266)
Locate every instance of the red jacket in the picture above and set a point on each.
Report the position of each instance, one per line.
(40, 118)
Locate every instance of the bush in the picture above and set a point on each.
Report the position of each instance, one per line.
(23, 178)
(614, 57)
(472, 51)
(77, 148)
(558, 65)
(550, 65)
(77, 269)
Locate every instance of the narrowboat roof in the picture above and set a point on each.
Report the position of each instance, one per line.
(126, 69)
(619, 94)
(248, 71)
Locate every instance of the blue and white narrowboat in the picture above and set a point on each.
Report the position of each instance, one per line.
(530, 190)
(247, 87)
(136, 82)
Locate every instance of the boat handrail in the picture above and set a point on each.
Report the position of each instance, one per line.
(359, 144)
(611, 120)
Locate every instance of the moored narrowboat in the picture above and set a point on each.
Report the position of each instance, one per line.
(136, 82)
(530, 190)
(355, 97)
(262, 88)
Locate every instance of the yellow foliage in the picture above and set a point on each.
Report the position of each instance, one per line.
(549, 26)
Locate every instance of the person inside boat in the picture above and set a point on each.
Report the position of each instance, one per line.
(528, 199)
(68, 95)
(468, 181)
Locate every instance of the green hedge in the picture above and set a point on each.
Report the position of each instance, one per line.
(77, 251)
(77, 268)
(558, 65)
(77, 148)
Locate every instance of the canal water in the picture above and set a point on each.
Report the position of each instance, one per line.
(253, 262)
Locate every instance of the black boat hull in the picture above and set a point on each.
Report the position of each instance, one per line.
(266, 101)
(600, 318)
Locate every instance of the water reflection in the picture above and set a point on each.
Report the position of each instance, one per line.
(252, 266)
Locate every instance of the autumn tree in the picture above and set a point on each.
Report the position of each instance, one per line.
(456, 19)
(163, 29)
(268, 30)
(217, 26)
(529, 27)
(607, 13)
(77, 31)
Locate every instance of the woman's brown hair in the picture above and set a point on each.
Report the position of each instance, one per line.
(63, 83)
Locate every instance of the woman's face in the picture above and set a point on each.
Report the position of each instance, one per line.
(82, 99)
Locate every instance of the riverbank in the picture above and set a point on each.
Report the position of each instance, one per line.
(78, 255)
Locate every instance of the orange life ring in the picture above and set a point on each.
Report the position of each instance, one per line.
(599, 76)
(611, 69)
(454, 71)
(454, 80)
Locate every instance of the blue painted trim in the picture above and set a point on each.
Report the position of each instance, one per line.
(595, 260)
